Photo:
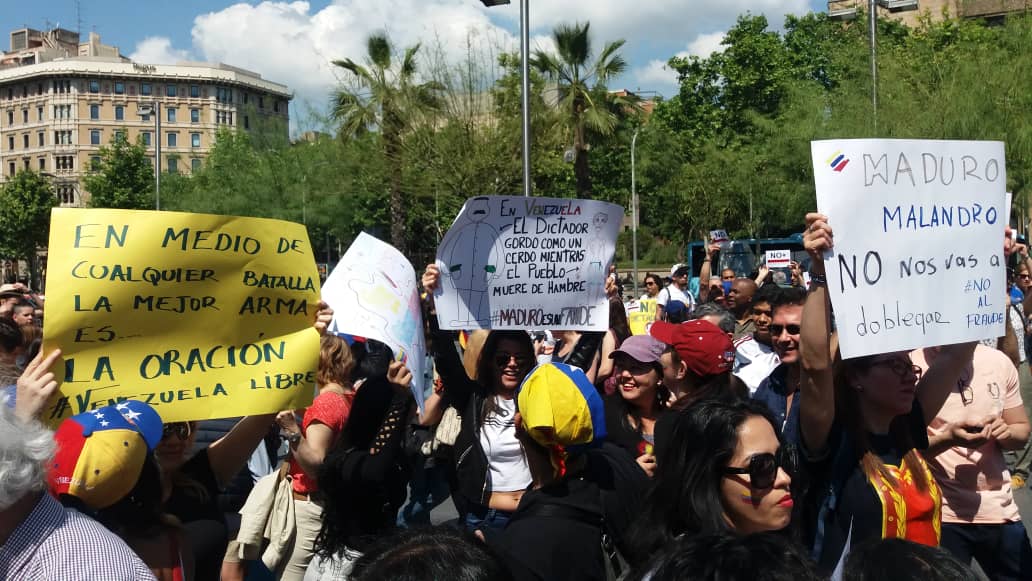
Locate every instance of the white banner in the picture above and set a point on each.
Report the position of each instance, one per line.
(374, 295)
(918, 257)
(527, 263)
(778, 258)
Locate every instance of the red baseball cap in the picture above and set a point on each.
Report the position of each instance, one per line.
(703, 347)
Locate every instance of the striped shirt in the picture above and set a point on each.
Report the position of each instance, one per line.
(58, 543)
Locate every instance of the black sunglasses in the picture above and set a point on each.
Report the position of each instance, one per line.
(181, 430)
(502, 359)
(763, 468)
(776, 330)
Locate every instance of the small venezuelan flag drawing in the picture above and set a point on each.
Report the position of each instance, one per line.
(838, 161)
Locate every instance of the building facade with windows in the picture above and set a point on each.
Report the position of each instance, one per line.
(910, 12)
(61, 101)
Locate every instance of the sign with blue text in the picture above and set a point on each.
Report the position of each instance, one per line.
(918, 257)
(527, 263)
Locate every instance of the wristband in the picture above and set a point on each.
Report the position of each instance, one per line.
(293, 438)
(818, 278)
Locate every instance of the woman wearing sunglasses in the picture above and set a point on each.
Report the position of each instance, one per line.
(491, 471)
(863, 426)
(653, 284)
(723, 470)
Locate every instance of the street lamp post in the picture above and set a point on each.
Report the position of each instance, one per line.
(634, 215)
(872, 23)
(524, 81)
(143, 111)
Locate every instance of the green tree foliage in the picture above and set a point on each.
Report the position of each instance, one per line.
(25, 204)
(731, 150)
(391, 100)
(588, 110)
(124, 178)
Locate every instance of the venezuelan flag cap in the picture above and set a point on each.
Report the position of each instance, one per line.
(100, 453)
(560, 407)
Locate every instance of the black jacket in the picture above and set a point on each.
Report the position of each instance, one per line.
(557, 530)
(468, 396)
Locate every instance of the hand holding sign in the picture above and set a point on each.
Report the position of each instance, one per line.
(915, 261)
(778, 258)
(526, 263)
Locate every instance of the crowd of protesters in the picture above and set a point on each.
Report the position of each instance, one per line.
(729, 441)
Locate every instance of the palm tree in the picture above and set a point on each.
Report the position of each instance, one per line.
(391, 101)
(585, 103)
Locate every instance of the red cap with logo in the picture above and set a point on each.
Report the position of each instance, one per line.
(703, 347)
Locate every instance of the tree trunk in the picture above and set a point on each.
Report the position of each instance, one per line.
(392, 148)
(581, 170)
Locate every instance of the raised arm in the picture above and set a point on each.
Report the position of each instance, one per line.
(229, 454)
(706, 270)
(817, 406)
(446, 359)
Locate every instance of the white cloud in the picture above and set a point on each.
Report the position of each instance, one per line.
(287, 42)
(659, 22)
(157, 50)
(705, 45)
(656, 75)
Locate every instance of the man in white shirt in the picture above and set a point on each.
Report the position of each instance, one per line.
(677, 290)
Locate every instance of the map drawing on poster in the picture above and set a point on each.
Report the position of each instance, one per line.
(527, 263)
(919, 227)
(373, 294)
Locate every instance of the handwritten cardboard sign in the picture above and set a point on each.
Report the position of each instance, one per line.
(527, 263)
(201, 316)
(374, 295)
(778, 258)
(641, 319)
(918, 257)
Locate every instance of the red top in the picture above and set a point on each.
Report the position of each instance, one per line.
(330, 409)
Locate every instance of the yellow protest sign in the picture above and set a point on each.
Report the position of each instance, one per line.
(201, 316)
(641, 320)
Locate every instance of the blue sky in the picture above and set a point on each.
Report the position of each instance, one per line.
(293, 42)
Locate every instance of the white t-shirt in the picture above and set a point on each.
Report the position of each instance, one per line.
(507, 466)
(671, 292)
(754, 362)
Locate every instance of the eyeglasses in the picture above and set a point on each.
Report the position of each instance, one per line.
(502, 359)
(901, 367)
(1025, 276)
(181, 430)
(649, 283)
(776, 330)
(763, 468)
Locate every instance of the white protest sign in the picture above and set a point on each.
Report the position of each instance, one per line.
(373, 294)
(778, 258)
(918, 256)
(527, 263)
(719, 236)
